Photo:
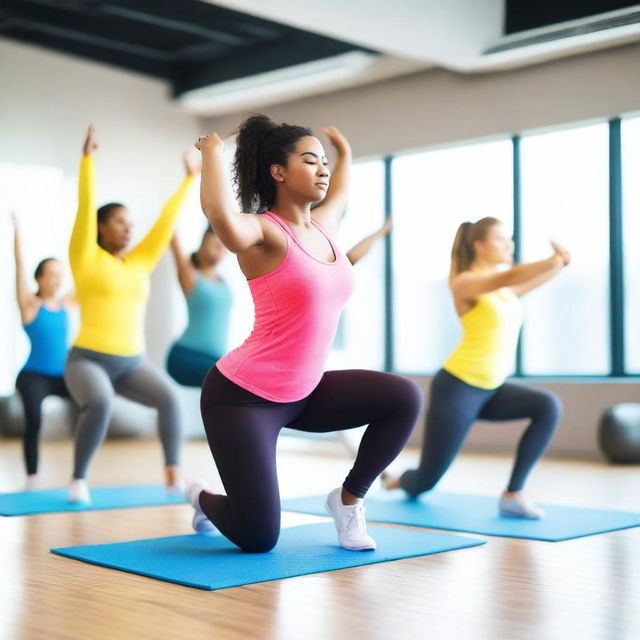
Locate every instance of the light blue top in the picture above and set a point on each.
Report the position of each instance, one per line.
(209, 306)
(48, 333)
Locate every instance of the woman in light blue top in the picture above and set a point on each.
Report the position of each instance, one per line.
(44, 317)
(209, 301)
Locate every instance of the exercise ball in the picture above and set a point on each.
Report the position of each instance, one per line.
(619, 433)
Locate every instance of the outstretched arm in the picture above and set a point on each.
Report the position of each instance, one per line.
(534, 283)
(186, 270)
(469, 285)
(330, 211)
(152, 246)
(27, 301)
(237, 231)
(84, 237)
(360, 250)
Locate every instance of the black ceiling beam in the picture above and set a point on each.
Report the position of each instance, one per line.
(294, 50)
(64, 34)
(192, 17)
(111, 27)
(99, 54)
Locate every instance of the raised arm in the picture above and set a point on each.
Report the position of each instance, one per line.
(469, 285)
(27, 301)
(534, 283)
(237, 231)
(330, 211)
(153, 245)
(84, 237)
(360, 250)
(186, 270)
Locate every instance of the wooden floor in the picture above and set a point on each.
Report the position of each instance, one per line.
(515, 589)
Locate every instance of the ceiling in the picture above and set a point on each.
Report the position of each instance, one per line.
(189, 43)
(224, 55)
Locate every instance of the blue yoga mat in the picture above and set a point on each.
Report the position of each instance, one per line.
(479, 514)
(57, 500)
(212, 562)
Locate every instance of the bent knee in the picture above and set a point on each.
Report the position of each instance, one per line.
(551, 406)
(259, 541)
(407, 394)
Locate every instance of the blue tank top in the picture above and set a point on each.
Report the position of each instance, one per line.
(48, 333)
(209, 306)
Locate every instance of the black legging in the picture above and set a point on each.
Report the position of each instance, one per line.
(34, 388)
(453, 408)
(243, 428)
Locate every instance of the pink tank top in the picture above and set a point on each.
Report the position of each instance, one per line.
(297, 307)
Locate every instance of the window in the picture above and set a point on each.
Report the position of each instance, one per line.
(360, 339)
(565, 197)
(43, 202)
(433, 193)
(631, 240)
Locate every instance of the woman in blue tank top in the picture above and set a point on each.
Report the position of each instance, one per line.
(209, 301)
(44, 316)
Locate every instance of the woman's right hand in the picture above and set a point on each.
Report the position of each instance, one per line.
(210, 142)
(90, 144)
(561, 253)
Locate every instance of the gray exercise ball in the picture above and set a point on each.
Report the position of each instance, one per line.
(619, 433)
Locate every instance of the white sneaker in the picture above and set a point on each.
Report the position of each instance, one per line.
(79, 492)
(350, 523)
(200, 522)
(519, 507)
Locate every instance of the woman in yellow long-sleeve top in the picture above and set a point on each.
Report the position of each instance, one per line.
(112, 286)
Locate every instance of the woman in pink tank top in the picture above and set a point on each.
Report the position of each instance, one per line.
(300, 282)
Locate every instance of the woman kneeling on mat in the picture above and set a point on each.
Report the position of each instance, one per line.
(45, 320)
(299, 282)
(112, 285)
(209, 299)
(471, 385)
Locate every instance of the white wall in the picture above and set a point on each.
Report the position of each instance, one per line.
(46, 102)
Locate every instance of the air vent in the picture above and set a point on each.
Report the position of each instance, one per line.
(557, 32)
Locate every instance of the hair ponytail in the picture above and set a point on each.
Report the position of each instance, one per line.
(463, 252)
(260, 143)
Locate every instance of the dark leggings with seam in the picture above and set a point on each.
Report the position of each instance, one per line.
(453, 408)
(242, 430)
(34, 388)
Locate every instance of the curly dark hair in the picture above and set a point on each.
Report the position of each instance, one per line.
(260, 144)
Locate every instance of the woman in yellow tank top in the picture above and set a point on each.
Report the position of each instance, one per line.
(112, 283)
(471, 385)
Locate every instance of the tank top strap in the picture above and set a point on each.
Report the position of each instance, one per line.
(283, 225)
(289, 232)
(324, 232)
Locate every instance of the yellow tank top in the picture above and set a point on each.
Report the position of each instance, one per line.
(490, 329)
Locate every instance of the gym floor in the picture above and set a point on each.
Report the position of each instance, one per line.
(585, 588)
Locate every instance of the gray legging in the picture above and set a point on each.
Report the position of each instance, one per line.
(453, 408)
(94, 378)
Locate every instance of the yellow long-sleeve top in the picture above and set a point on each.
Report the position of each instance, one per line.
(113, 293)
(485, 355)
